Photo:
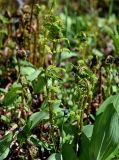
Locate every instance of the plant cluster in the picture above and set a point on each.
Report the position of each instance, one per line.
(59, 81)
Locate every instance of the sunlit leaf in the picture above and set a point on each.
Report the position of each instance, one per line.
(55, 156)
(37, 117)
(39, 84)
(34, 75)
(105, 135)
(12, 94)
(4, 146)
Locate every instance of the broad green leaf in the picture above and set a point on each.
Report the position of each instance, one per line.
(87, 130)
(26, 63)
(116, 153)
(37, 117)
(105, 135)
(85, 142)
(27, 71)
(4, 146)
(97, 53)
(12, 94)
(55, 156)
(84, 148)
(116, 103)
(33, 76)
(66, 55)
(26, 68)
(68, 152)
(112, 99)
(105, 104)
(39, 84)
(5, 118)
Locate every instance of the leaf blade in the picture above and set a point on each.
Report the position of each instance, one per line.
(107, 129)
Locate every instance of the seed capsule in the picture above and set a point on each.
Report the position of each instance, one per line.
(21, 53)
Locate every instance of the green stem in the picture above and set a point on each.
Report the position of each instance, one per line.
(83, 106)
(66, 13)
(20, 81)
(111, 7)
(82, 113)
(62, 132)
(48, 95)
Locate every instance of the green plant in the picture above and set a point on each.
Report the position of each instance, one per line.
(59, 81)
